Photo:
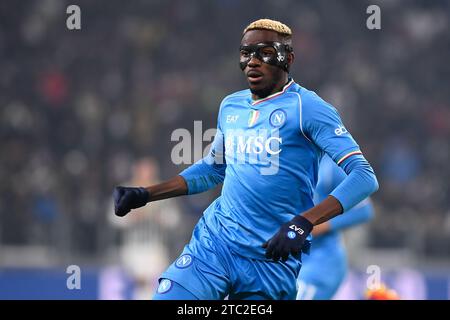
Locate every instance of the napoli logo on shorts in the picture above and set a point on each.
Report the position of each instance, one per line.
(184, 261)
(164, 286)
(277, 118)
(291, 235)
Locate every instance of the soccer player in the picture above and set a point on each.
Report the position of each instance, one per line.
(270, 139)
(324, 269)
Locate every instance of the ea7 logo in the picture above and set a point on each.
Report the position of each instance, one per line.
(340, 130)
(299, 230)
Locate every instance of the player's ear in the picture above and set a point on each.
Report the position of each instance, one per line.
(291, 58)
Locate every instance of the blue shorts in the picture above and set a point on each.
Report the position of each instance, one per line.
(211, 271)
(322, 273)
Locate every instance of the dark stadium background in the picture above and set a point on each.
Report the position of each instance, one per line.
(79, 109)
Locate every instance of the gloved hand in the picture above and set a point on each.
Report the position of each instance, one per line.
(290, 239)
(126, 198)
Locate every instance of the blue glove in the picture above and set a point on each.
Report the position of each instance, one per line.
(126, 199)
(290, 239)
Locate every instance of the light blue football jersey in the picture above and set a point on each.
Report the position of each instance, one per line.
(267, 153)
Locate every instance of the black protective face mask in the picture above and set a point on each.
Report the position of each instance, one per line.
(273, 53)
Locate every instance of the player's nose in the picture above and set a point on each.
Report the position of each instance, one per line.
(254, 62)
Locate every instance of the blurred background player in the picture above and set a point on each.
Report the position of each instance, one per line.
(324, 269)
(145, 246)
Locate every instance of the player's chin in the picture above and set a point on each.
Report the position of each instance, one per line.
(261, 90)
(256, 85)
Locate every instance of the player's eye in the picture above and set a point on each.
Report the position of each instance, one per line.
(267, 52)
(244, 53)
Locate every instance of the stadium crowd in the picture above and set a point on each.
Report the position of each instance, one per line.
(79, 108)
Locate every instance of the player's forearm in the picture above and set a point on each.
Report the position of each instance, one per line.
(169, 189)
(324, 211)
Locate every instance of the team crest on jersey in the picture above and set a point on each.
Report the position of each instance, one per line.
(184, 261)
(164, 286)
(254, 115)
(278, 118)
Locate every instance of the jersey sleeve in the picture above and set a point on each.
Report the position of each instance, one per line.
(322, 125)
(360, 213)
(208, 172)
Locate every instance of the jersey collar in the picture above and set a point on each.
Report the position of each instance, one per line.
(276, 94)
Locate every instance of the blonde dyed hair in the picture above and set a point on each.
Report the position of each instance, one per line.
(268, 24)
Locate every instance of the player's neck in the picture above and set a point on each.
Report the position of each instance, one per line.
(278, 87)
